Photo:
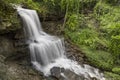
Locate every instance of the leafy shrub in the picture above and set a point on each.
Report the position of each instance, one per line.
(88, 37)
(84, 37)
(72, 22)
(116, 70)
(106, 14)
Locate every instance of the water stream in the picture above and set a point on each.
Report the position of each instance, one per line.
(48, 51)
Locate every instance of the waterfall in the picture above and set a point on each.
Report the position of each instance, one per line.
(48, 51)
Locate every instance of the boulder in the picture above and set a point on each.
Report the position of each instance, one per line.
(62, 74)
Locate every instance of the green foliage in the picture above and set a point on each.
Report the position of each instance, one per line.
(40, 7)
(75, 21)
(113, 2)
(72, 5)
(72, 22)
(106, 14)
(53, 6)
(5, 8)
(8, 18)
(14, 1)
(112, 31)
(82, 5)
(88, 37)
(36, 6)
(109, 19)
(98, 58)
(116, 70)
(112, 76)
(84, 37)
(101, 8)
(115, 46)
(99, 34)
(87, 5)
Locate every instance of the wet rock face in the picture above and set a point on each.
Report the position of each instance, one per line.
(15, 59)
(53, 27)
(6, 47)
(11, 49)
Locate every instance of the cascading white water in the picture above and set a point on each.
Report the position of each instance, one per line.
(48, 51)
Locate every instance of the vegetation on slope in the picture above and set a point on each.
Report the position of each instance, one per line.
(95, 29)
